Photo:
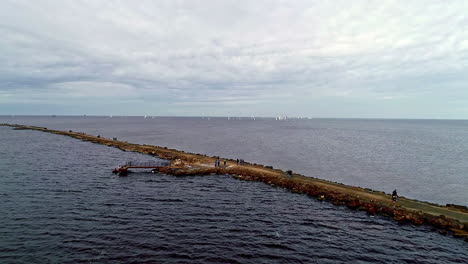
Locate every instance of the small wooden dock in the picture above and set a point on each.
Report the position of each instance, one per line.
(124, 169)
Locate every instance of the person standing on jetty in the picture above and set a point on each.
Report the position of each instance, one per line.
(394, 195)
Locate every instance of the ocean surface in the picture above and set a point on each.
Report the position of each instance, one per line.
(423, 159)
(60, 203)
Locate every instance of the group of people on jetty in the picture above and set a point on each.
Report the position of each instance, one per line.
(217, 162)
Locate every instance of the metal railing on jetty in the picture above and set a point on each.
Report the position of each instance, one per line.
(147, 164)
(123, 169)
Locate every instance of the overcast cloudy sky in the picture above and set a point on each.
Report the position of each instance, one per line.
(390, 59)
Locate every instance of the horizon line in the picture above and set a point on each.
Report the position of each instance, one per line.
(244, 117)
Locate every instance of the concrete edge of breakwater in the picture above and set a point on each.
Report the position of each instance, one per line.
(450, 219)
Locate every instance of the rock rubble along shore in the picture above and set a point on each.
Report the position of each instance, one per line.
(450, 219)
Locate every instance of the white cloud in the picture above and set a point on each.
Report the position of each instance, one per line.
(83, 89)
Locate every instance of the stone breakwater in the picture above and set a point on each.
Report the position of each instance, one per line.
(450, 219)
(350, 198)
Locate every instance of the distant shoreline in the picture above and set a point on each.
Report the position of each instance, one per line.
(451, 219)
(249, 117)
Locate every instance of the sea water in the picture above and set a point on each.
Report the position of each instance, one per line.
(422, 159)
(60, 203)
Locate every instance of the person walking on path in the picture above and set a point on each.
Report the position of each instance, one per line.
(394, 195)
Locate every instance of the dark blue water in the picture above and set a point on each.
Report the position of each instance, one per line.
(61, 204)
(422, 159)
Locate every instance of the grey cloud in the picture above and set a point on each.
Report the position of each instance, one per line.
(229, 51)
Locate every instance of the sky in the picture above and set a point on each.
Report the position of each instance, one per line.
(350, 59)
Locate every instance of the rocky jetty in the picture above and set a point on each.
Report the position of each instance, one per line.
(441, 223)
(449, 219)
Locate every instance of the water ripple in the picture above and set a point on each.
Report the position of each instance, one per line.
(77, 212)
